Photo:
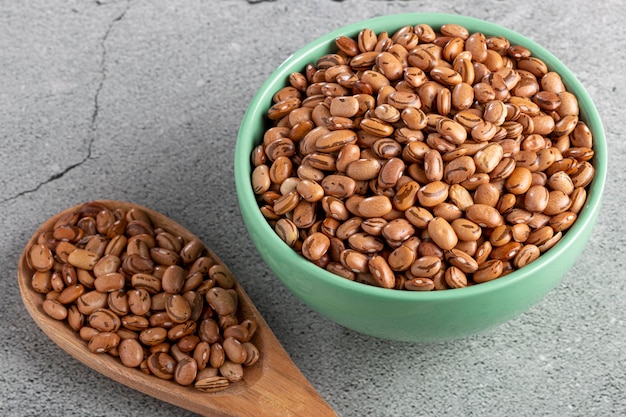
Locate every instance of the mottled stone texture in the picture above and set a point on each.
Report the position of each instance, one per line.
(141, 101)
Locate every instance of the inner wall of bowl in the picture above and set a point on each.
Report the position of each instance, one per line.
(253, 126)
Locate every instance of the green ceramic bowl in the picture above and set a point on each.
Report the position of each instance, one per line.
(404, 315)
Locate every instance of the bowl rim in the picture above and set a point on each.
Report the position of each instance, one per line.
(257, 224)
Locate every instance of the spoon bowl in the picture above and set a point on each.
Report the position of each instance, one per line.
(272, 386)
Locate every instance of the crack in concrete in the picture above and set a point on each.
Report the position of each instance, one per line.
(94, 113)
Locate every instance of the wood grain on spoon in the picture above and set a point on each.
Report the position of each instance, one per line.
(273, 386)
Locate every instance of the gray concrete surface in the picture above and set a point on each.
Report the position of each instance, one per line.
(141, 101)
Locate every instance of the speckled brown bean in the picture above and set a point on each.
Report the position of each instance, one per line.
(459, 169)
(75, 319)
(57, 283)
(40, 257)
(536, 198)
(168, 241)
(335, 208)
(153, 336)
(137, 246)
(487, 158)
(506, 251)
(282, 108)
(201, 354)
(335, 140)
(83, 259)
(418, 216)
(583, 175)
(386, 148)
(217, 355)
(401, 258)
(238, 332)
(88, 302)
(252, 354)
(501, 235)
(389, 66)
(103, 342)
(354, 260)
(210, 381)
(433, 193)
(578, 198)
(41, 281)
(460, 196)
(315, 246)
(173, 279)
(404, 99)
(397, 231)
(449, 211)
(374, 226)
(391, 172)
(363, 169)
(466, 230)
(130, 353)
(70, 294)
(419, 284)
(231, 371)
(519, 181)
(365, 243)
(280, 169)
(287, 231)
(455, 278)
(442, 233)
(561, 181)
(139, 301)
(461, 260)
(118, 302)
(191, 251)
(209, 331)
(406, 196)
(85, 277)
(340, 186)
(234, 350)
(484, 215)
(104, 320)
(147, 282)
(563, 221)
(433, 165)
(54, 309)
(310, 191)
(178, 308)
(286, 203)
(381, 271)
(162, 365)
(426, 266)
(488, 271)
(452, 131)
(107, 264)
(86, 333)
(162, 256)
(186, 371)
(488, 193)
(375, 206)
(526, 255)
(462, 94)
(581, 136)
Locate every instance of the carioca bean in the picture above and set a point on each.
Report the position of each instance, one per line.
(159, 310)
(462, 144)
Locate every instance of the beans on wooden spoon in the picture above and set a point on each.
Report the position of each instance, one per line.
(80, 311)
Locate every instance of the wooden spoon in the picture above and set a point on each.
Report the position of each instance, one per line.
(273, 386)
